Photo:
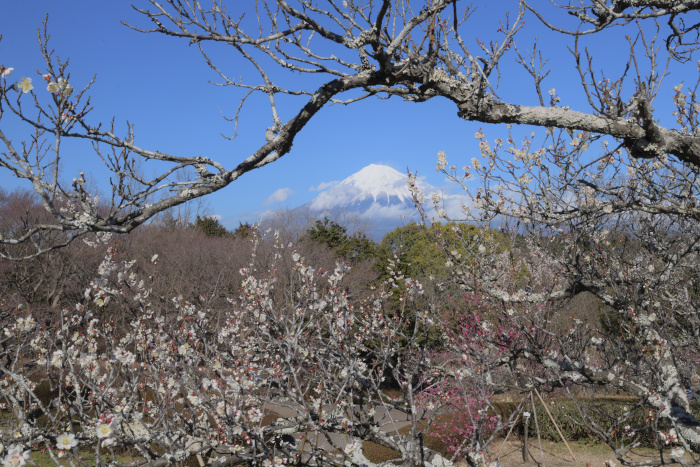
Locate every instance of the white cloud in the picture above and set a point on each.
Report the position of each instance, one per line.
(216, 217)
(323, 185)
(279, 195)
(397, 212)
(453, 204)
(338, 196)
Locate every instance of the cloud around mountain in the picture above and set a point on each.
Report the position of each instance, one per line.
(323, 185)
(378, 193)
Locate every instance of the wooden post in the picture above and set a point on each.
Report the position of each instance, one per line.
(526, 419)
(509, 432)
(537, 426)
(561, 435)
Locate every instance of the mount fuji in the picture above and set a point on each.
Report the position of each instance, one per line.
(377, 193)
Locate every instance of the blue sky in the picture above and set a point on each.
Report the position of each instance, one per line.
(160, 85)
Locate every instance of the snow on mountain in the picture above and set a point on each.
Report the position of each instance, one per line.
(374, 184)
(380, 182)
(377, 192)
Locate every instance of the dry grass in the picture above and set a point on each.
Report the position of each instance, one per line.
(557, 455)
(510, 454)
(587, 452)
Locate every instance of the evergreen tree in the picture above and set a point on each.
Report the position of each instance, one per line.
(356, 247)
(243, 231)
(211, 227)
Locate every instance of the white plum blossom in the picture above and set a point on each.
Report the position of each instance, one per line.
(124, 356)
(254, 415)
(60, 86)
(354, 447)
(66, 441)
(16, 457)
(194, 399)
(25, 324)
(275, 462)
(57, 358)
(104, 430)
(524, 179)
(442, 161)
(25, 85)
(107, 442)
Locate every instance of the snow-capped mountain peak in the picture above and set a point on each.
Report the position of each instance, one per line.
(378, 193)
(378, 182)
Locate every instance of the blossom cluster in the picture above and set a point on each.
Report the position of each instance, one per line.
(192, 380)
(60, 87)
